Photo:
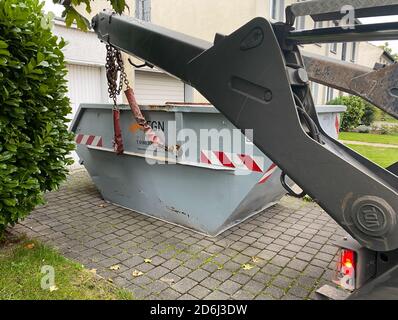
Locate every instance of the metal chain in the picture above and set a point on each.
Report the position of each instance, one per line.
(114, 72)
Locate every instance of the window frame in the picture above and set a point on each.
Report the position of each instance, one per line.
(354, 49)
(140, 10)
(277, 6)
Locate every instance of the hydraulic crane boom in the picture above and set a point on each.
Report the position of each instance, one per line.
(256, 77)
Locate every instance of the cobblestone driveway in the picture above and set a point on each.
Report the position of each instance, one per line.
(288, 248)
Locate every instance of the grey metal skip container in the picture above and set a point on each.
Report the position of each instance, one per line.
(207, 186)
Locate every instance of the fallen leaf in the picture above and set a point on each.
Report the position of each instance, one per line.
(53, 288)
(114, 268)
(147, 260)
(168, 280)
(220, 267)
(247, 266)
(30, 246)
(256, 259)
(93, 271)
(137, 273)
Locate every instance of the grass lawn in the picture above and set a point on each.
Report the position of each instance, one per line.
(368, 137)
(384, 157)
(21, 261)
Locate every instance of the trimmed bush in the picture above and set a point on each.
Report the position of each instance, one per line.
(34, 138)
(369, 115)
(352, 118)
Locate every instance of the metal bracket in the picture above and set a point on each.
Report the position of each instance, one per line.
(139, 66)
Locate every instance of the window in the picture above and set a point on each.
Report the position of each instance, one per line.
(318, 24)
(329, 94)
(278, 10)
(333, 46)
(344, 52)
(353, 52)
(300, 21)
(315, 91)
(143, 10)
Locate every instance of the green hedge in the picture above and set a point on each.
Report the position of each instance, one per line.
(358, 112)
(34, 140)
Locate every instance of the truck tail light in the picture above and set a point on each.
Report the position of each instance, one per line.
(345, 274)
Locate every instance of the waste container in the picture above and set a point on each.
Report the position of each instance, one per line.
(213, 179)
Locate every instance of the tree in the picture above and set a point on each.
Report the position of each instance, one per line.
(386, 47)
(72, 15)
(34, 138)
(356, 107)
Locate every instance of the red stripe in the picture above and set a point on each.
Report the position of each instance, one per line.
(250, 163)
(90, 140)
(79, 138)
(204, 159)
(337, 124)
(222, 157)
(271, 167)
(100, 143)
(266, 179)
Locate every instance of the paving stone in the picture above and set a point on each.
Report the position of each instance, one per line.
(199, 275)
(158, 272)
(157, 286)
(266, 255)
(291, 273)
(298, 265)
(171, 264)
(211, 283)
(243, 295)
(294, 241)
(199, 292)
(222, 275)
(282, 282)
(299, 292)
(240, 278)
(229, 287)
(306, 282)
(254, 287)
(271, 269)
(184, 285)
(262, 277)
(133, 261)
(217, 295)
(210, 267)
(313, 271)
(140, 281)
(280, 261)
(182, 271)
(274, 292)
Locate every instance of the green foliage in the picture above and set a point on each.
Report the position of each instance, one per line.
(34, 140)
(369, 114)
(71, 15)
(355, 111)
(386, 47)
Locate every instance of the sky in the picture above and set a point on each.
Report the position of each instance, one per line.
(57, 9)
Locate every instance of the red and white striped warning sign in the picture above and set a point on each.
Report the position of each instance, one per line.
(232, 160)
(268, 174)
(89, 140)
